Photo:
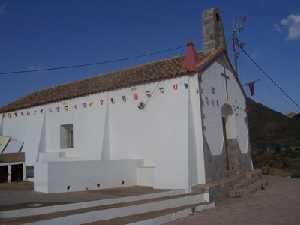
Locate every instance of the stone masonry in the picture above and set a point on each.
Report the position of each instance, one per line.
(213, 30)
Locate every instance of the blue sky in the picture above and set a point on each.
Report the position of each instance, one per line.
(36, 34)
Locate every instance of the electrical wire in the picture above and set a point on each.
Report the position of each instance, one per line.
(108, 61)
(275, 83)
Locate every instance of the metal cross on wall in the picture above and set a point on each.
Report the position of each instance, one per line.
(226, 77)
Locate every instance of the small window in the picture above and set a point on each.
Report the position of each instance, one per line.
(29, 172)
(66, 136)
(213, 90)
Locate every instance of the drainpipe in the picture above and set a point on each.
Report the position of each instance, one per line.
(9, 173)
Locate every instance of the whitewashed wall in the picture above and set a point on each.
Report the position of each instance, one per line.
(1, 123)
(195, 135)
(158, 134)
(28, 130)
(55, 177)
(212, 103)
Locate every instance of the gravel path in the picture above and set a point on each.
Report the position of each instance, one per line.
(278, 204)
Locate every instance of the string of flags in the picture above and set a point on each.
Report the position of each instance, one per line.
(112, 100)
(211, 102)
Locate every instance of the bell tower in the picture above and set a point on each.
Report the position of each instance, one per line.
(213, 30)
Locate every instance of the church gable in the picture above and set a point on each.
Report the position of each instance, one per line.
(225, 130)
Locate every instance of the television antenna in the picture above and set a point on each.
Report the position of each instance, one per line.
(238, 27)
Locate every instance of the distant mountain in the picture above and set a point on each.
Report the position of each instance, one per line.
(267, 126)
(291, 114)
(297, 117)
(275, 140)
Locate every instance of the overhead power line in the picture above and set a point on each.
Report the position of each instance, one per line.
(275, 83)
(107, 61)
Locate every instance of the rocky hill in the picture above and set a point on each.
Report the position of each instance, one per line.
(275, 140)
(270, 127)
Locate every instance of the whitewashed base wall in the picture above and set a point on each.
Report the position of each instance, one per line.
(55, 177)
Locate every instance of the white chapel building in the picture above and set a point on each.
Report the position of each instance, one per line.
(169, 124)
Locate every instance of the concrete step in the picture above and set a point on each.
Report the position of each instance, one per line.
(34, 211)
(109, 212)
(156, 217)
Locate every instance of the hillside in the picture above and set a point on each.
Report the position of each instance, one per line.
(275, 140)
(297, 117)
(270, 127)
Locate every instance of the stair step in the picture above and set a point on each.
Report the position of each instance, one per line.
(89, 215)
(25, 212)
(156, 217)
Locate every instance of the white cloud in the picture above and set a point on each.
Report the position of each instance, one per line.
(3, 8)
(292, 24)
(277, 28)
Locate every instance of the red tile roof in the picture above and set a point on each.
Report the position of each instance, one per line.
(156, 71)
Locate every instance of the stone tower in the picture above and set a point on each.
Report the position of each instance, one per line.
(213, 30)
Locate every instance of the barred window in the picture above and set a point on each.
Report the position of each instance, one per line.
(66, 136)
(29, 172)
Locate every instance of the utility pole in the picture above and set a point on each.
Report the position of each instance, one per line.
(238, 27)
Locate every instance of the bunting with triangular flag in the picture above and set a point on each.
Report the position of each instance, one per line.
(148, 94)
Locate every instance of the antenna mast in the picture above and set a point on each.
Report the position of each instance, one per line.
(236, 44)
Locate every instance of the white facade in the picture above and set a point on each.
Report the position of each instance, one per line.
(211, 107)
(85, 175)
(165, 138)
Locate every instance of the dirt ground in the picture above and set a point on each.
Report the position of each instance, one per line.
(279, 204)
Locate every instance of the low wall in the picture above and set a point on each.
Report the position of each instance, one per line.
(67, 176)
(145, 176)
